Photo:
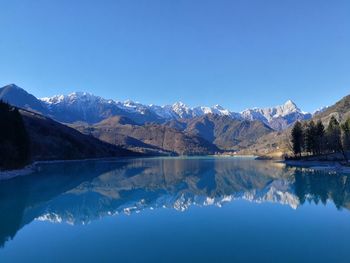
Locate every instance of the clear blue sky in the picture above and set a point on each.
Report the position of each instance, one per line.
(235, 53)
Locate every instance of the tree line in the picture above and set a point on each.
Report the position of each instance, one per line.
(310, 138)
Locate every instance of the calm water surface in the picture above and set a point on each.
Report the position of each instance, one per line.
(175, 210)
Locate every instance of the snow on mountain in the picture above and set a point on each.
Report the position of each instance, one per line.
(279, 117)
(267, 114)
(180, 110)
(82, 103)
(217, 109)
(132, 106)
(320, 110)
(165, 112)
(76, 99)
(80, 106)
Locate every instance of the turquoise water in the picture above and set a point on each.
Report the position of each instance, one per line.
(175, 210)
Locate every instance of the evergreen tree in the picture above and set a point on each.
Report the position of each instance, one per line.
(310, 137)
(334, 138)
(297, 139)
(333, 135)
(346, 134)
(320, 134)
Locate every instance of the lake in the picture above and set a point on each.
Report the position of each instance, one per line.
(198, 209)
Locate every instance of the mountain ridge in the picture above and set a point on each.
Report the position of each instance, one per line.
(153, 129)
(147, 138)
(87, 107)
(180, 110)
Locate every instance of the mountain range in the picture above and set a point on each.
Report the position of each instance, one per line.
(170, 129)
(85, 107)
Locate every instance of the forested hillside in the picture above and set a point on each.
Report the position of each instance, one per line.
(14, 141)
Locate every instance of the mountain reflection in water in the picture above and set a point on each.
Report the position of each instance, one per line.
(79, 192)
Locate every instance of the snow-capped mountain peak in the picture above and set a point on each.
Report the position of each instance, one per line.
(287, 108)
(278, 117)
(132, 106)
(53, 99)
(74, 97)
(182, 110)
(180, 106)
(290, 102)
(219, 107)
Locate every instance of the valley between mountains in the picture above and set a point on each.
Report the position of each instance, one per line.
(82, 125)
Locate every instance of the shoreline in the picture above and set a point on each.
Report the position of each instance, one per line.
(31, 168)
(331, 166)
(9, 174)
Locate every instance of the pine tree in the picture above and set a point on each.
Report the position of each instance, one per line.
(333, 135)
(297, 139)
(346, 134)
(320, 134)
(310, 137)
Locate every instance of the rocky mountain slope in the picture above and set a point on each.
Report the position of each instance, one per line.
(50, 140)
(207, 134)
(227, 133)
(150, 138)
(341, 110)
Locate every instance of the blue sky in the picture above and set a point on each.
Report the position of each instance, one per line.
(238, 54)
